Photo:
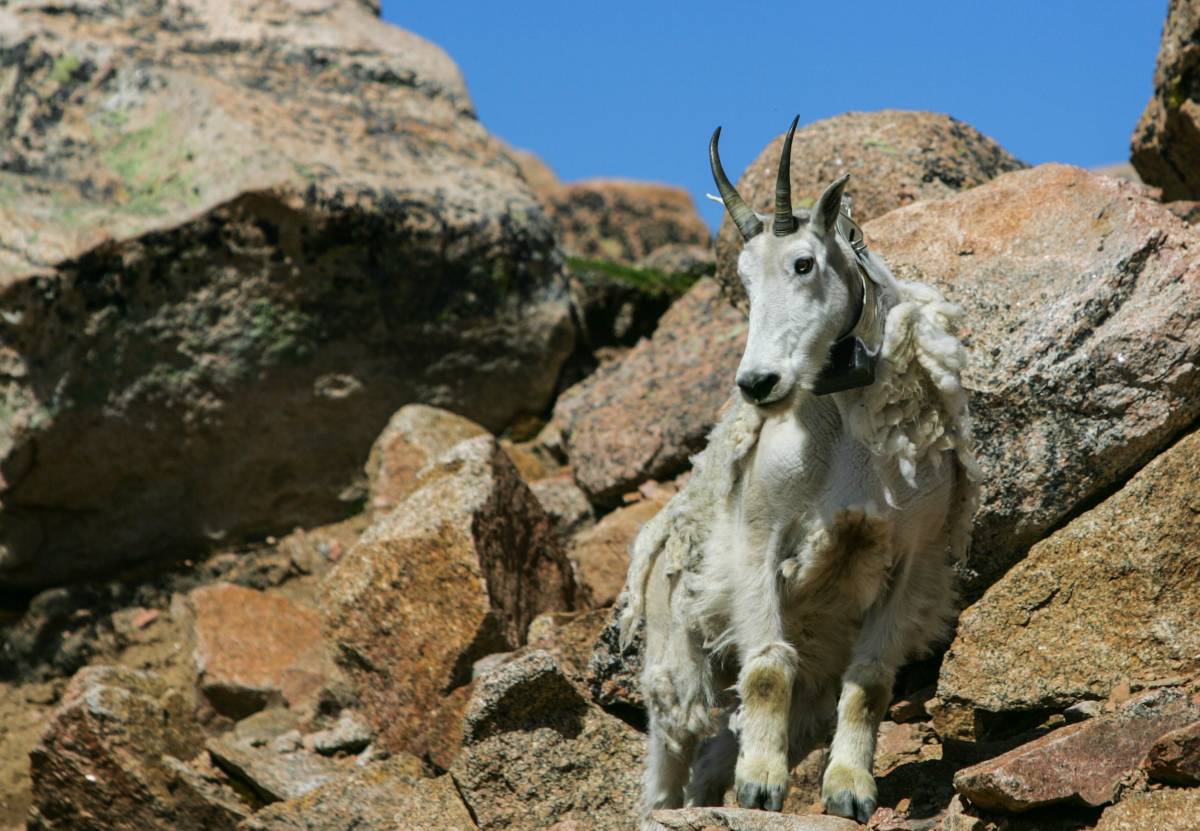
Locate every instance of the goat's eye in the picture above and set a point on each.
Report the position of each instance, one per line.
(803, 265)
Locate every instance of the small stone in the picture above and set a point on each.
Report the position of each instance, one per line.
(1083, 710)
(145, 617)
(350, 734)
(273, 776)
(743, 819)
(1175, 757)
(392, 795)
(254, 649)
(1085, 763)
(413, 439)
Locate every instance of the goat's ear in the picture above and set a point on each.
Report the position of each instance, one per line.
(825, 214)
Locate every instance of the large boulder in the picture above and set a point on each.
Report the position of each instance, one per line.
(456, 572)
(1114, 596)
(1082, 299)
(235, 237)
(894, 157)
(537, 752)
(600, 554)
(111, 759)
(622, 221)
(642, 416)
(1166, 142)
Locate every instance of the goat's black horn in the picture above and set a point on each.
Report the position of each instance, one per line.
(785, 223)
(746, 220)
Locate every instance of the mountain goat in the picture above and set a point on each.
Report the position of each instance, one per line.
(811, 551)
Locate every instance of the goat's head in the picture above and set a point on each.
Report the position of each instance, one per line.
(805, 291)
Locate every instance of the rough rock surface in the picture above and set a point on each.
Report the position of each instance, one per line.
(1166, 142)
(1112, 596)
(277, 771)
(614, 675)
(537, 752)
(415, 436)
(103, 763)
(384, 796)
(455, 573)
(1166, 810)
(742, 819)
(568, 637)
(1175, 757)
(1082, 299)
(622, 221)
(232, 219)
(1083, 763)
(894, 157)
(565, 503)
(642, 416)
(601, 553)
(253, 649)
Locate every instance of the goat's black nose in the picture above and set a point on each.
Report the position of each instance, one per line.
(757, 385)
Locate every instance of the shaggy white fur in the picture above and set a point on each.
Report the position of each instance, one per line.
(807, 557)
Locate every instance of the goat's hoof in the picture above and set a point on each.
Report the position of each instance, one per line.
(761, 783)
(849, 792)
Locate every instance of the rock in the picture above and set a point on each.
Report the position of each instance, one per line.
(681, 259)
(565, 503)
(386, 796)
(641, 417)
(540, 177)
(1165, 810)
(455, 573)
(1114, 592)
(614, 674)
(1082, 299)
(276, 772)
(537, 752)
(601, 553)
(617, 305)
(104, 761)
(203, 791)
(1166, 142)
(351, 734)
(1175, 756)
(1082, 711)
(1082, 763)
(622, 221)
(568, 637)
(1186, 209)
(225, 220)
(744, 819)
(415, 436)
(894, 157)
(253, 649)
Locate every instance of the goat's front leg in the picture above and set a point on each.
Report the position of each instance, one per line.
(848, 787)
(765, 687)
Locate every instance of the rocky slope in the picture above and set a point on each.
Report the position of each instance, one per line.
(268, 293)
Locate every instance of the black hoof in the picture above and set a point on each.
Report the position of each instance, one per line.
(846, 804)
(765, 797)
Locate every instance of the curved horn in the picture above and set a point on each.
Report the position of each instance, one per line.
(785, 223)
(746, 220)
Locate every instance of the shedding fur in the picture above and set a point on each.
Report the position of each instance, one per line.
(810, 553)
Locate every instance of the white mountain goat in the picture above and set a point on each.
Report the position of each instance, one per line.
(811, 552)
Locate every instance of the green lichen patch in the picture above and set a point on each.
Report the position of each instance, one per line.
(64, 68)
(881, 145)
(152, 165)
(647, 279)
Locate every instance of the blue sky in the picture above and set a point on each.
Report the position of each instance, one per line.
(635, 89)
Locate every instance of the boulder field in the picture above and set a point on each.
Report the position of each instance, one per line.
(327, 420)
